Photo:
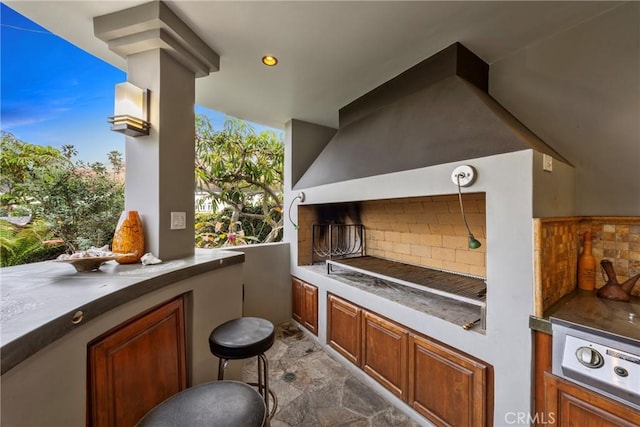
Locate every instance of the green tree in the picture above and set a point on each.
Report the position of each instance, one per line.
(243, 171)
(22, 245)
(69, 151)
(115, 158)
(76, 202)
(81, 203)
(21, 164)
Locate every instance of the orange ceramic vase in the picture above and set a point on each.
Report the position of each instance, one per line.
(129, 238)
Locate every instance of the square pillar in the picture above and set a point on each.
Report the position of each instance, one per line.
(160, 167)
(164, 56)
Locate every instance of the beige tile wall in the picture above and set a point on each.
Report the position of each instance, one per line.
(556, 249)
(558, 242)
(618, 240)
(426, 231)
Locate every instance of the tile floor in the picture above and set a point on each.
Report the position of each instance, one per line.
(324, 392)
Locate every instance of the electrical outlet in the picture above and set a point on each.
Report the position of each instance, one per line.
(178, 220)
(547, 163)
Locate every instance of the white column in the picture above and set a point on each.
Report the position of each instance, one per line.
(164, 56)
(160, 167)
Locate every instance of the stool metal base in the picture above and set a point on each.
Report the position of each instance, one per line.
(262, 384)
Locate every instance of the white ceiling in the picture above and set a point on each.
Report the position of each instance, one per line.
(330, 53)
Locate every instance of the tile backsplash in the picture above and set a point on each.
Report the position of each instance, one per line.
(620, 243)
(425, 231)
(558, 242)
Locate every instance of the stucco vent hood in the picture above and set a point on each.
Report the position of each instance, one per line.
(436, 112)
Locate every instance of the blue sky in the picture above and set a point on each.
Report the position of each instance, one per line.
(52, 93)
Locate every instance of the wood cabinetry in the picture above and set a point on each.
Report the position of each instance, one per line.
(297, 297)
(305, 304)
(384, 352)
(446, 386)
(344, 328)
(569, 404)
(136, 365)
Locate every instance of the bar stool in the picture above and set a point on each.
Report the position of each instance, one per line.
(243, 338)
(220, 404)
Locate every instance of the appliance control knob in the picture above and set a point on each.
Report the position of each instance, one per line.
(620, 371)
(589, 357)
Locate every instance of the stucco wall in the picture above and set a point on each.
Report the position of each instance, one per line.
(580, 91)
(159, 171)
(49, 388)
(267, 281)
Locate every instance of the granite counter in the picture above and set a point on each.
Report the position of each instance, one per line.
(585, 309)
(442, 307)
(39, 301)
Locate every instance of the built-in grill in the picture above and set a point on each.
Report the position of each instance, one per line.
(465, 288)
(341, 246)
(599, 360)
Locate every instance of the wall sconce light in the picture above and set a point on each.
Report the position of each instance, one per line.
(131, 110)
(464, 176)
(300, 196)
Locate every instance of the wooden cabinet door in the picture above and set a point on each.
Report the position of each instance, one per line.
(344, 322)
(304, 307)
(310, 311)
(568, 404)
(384, 353)
(445, 386)
(297, 293)
(542, 350)
(135, 366)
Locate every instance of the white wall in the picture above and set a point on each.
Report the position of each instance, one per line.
(580, 92)
(49, 388)
(267, 281)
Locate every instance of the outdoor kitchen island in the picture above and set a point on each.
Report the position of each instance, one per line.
(64, 333)
(369, 322)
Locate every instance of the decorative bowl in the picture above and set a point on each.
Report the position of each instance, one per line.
(88, 263)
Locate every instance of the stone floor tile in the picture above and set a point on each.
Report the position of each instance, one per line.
(299, 413)
(324, 392)
(392, 418)
(360, 398)
(339, 416)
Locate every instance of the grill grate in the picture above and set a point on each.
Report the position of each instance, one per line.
(453, 285)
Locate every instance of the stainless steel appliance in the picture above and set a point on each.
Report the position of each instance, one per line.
(598, 360)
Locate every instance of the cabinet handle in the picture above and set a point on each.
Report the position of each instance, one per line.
(77, 317)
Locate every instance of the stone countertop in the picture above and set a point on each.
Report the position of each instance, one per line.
(584, 309)
(38, 301)
(450, 310)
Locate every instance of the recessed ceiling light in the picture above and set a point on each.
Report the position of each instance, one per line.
(269, 60)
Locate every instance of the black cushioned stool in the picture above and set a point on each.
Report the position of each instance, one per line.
(243, 338)
(220, 404)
